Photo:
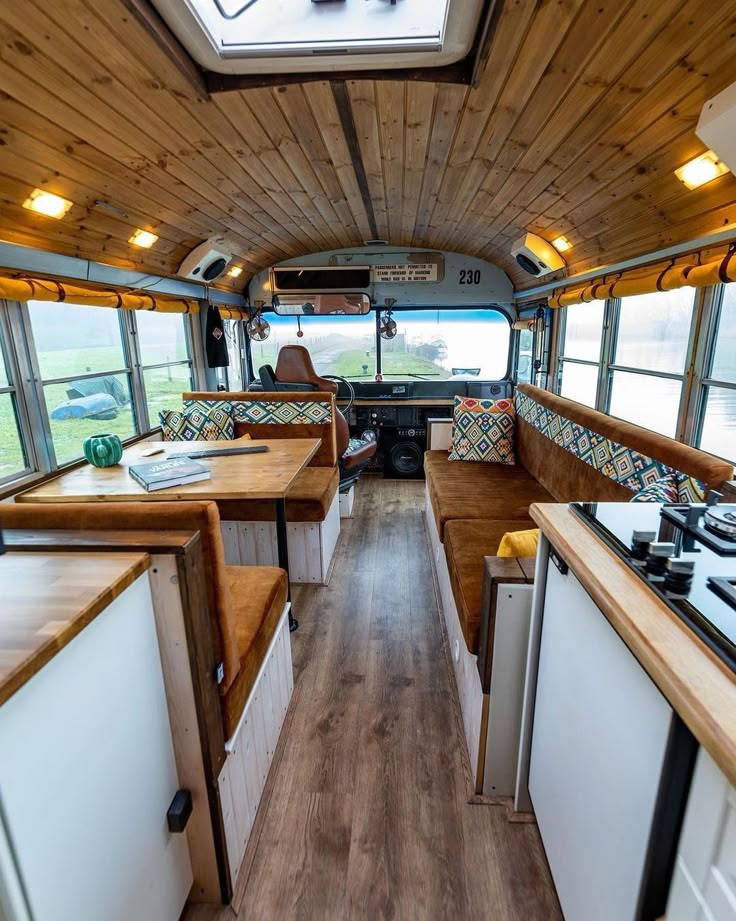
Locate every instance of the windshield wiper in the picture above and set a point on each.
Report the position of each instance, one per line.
(423, 377)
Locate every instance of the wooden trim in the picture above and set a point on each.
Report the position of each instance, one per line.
(697, 684)
(345, 111)
(182, 706)
(497, 571)
(204, 661)
(459, 72)
(483, 40)
(149, 18)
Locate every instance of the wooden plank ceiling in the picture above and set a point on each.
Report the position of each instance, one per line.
(583, 113)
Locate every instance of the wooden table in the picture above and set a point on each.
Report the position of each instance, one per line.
(47, 599)
(269, 475)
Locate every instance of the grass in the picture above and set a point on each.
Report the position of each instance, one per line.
(350, 364)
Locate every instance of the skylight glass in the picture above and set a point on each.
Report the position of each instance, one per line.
(303, 27)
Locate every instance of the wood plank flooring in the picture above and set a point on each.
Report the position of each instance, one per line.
(366, 812)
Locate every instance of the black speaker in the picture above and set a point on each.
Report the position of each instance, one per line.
(403, 453)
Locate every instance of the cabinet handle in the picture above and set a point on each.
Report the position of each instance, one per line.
(179, 811)
(558, 561)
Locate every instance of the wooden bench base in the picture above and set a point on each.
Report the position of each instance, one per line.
(491, 721)
(251, 748)
(311, 545)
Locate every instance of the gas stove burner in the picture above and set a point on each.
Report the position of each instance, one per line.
(721, 519)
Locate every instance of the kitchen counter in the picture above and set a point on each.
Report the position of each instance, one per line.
(48, 599)
(698, 686)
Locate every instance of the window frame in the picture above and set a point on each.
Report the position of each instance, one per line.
(39, 383)
(17, 371)
(415, 308)
(609, 307)
(193, 360)
(703, 366)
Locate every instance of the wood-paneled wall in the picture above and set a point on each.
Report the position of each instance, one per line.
(583, 113)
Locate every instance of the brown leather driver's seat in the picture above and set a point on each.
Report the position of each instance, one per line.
(295, 371)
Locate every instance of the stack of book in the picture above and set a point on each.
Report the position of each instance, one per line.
(173, 471)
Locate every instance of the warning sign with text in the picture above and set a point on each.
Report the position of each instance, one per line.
(421, 271)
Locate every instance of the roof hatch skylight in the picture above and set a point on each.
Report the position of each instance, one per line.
(245, 36)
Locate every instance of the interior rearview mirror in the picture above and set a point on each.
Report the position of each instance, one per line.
(320, 305)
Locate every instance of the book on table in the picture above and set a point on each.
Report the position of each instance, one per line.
(173, 471)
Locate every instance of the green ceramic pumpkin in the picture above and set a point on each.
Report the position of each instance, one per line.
(103, 450)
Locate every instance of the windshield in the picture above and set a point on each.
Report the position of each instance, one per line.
(429, 344)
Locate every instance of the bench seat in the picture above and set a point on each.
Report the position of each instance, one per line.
(309, 499)
(258, 596)
(469, 490)
(467, 543)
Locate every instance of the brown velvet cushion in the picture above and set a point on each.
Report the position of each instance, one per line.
(560, 472)
(259, 595)
(309, 499)
(466, 545)
(477, 490)
(327, 454)
(568, 478)
(131, 516)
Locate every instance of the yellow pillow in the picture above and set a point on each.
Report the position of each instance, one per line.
(245, 437)
(519, 543)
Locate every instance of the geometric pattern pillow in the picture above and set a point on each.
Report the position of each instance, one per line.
(195, 424)
(483, 430)
(662, 490)
(260, 412)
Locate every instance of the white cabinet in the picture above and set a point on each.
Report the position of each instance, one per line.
(87, 774)
(704, 884)
(598, 744)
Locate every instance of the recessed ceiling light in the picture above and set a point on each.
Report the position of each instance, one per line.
(562, 244)
(235, 271)
(143, 238)
(702, 169)
(47, 203)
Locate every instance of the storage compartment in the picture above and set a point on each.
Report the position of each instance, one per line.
(600, 734)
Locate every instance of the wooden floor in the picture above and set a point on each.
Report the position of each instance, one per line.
(368, 815)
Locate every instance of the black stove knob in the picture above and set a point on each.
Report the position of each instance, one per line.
(658, 552)
(640, 541)
(678, 577)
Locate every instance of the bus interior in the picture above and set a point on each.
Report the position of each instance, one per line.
(367, 445)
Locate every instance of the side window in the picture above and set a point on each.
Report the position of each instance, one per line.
(648, 370)
(718, 426)
(524, 356)
(580, 352)
(163, 347)
(84, 372)
(14, 452)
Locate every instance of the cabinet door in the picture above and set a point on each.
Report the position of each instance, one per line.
(87, 774)
(704, 887)
(598, 745)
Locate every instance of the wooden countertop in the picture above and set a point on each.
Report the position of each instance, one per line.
(47, 599)
(695, 682)
(237, 476)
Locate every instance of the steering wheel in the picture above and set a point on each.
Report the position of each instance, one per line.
(351, 391)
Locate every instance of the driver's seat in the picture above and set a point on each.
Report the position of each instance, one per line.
(295, 371)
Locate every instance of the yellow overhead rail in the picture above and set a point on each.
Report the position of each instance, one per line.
(15, 288)
(693, 274)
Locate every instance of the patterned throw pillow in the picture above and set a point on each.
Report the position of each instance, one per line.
(197, 425)
(665, 489)
(483, 430)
